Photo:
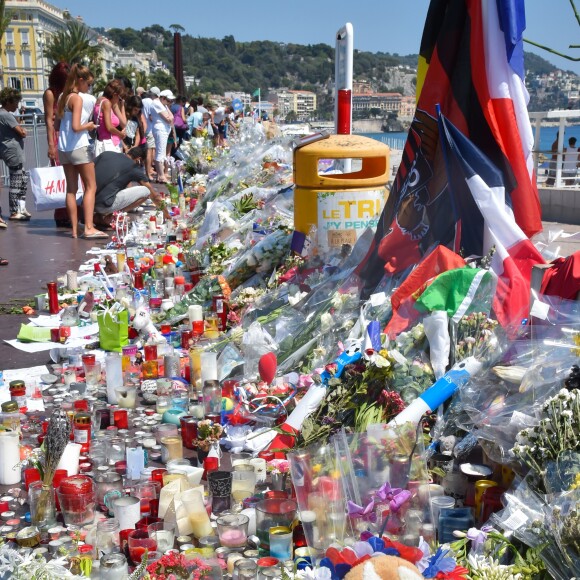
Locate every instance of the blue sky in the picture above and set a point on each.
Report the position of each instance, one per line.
(379, 25)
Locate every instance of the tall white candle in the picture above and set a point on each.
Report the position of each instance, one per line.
(70, 458)
(9, 458)
(114, 375)
(195, 313)
(208, 367)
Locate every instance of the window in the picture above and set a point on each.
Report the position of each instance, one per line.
(24, 37)
(14, 82)
(11, 59)
(29, 83)
(27, 63)
(9, 37)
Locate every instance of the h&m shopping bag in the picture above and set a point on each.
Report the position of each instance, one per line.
(48, 186)
(113, 329)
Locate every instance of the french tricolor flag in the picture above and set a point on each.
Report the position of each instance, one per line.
(479, 198)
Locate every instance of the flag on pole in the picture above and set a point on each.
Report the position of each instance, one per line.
(471, 64)
(256, 93)
(478, 191)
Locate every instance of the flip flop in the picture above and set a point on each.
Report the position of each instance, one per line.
(3, 262)
(96, 236)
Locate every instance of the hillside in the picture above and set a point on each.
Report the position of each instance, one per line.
(229, 65)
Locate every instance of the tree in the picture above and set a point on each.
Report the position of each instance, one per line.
(177, 28)
(73, 45)
(374, 112)
(291, 117)
(5, 18)
(163, 80)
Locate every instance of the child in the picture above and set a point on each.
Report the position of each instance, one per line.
(12, 153)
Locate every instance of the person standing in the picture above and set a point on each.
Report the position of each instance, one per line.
(147, 100)
(12, 153)
(110, 132)
(73, 147)
(162, 120)
(570, 165)
(56, 82)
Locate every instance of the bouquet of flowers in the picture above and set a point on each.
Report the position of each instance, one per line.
(174, 566)
(208, 433)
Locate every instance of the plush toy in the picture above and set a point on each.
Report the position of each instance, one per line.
(384, 568)
(144, 326)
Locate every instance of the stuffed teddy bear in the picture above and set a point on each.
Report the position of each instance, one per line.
(384, 568)
(144, 326)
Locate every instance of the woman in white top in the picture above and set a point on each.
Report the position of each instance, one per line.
(73, 147)
(162, 122)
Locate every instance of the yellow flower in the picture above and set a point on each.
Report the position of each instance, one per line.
(316, 468)
(384, 352)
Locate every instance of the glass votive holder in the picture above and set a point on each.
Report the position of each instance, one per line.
(163, 533)
(240, 459)
(107, 536)
(171, 448)
(233, 530)
(180, 400)
(165, 430)
(281, 543)
(145, 491)
(162, 404)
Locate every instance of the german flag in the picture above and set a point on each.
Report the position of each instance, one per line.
(471, 66)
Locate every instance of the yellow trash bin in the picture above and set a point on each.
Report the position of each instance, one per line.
(336, 208)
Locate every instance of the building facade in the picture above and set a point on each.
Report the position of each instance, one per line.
(386, 102)
(303, 103)
(23, 64)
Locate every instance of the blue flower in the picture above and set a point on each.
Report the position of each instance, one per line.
(338, 572)
(439, 562)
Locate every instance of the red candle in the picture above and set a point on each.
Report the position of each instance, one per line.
(188, 431)
(31, 474)
(138, 280)
(4, 507)
(55, 334)
(76, 484)
(53, 306)
(157, 475)
(121, 419)
(89, 359)
(210, 464)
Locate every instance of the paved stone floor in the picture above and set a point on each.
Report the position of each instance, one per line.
(38, 252)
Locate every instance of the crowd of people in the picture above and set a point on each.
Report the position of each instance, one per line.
(123, 136)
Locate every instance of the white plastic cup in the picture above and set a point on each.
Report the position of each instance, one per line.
(438, 503)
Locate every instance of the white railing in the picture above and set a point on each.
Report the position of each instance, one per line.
(555, 176)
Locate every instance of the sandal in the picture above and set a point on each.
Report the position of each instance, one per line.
(95, 236)
(3, 262)
(3, 224)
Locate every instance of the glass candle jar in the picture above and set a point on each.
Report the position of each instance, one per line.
(233, 530)
(107, 536)
(113, 567)
(212, 397)
(171, 448)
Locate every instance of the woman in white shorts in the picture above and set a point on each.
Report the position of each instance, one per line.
(162, 121)
(73, 147)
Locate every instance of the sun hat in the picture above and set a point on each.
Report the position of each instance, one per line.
(167, 94)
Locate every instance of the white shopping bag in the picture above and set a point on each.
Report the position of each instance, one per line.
(48, 186)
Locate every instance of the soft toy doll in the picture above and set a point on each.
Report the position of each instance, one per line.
(144, 326)
(384, 568)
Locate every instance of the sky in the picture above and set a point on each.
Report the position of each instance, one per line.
(393, 26)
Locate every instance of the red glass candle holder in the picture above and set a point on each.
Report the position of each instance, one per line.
(210, 464)
(4, 506)
(150, 351)
(31, 474)
(55, 334)
(121, 419)
(89, 359)
(157, 475)
(52, 290)
(121, 467)
(144, 522)
(186, 337)
(140, 542)
(188, 431)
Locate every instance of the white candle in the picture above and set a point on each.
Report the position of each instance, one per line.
(114, 376)
(70, 458)
(9, 458)
(195, 313)
(208, 367)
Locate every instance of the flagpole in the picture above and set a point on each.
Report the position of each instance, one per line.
(259, 104)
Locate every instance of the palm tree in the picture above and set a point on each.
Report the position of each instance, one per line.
(73, 45)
